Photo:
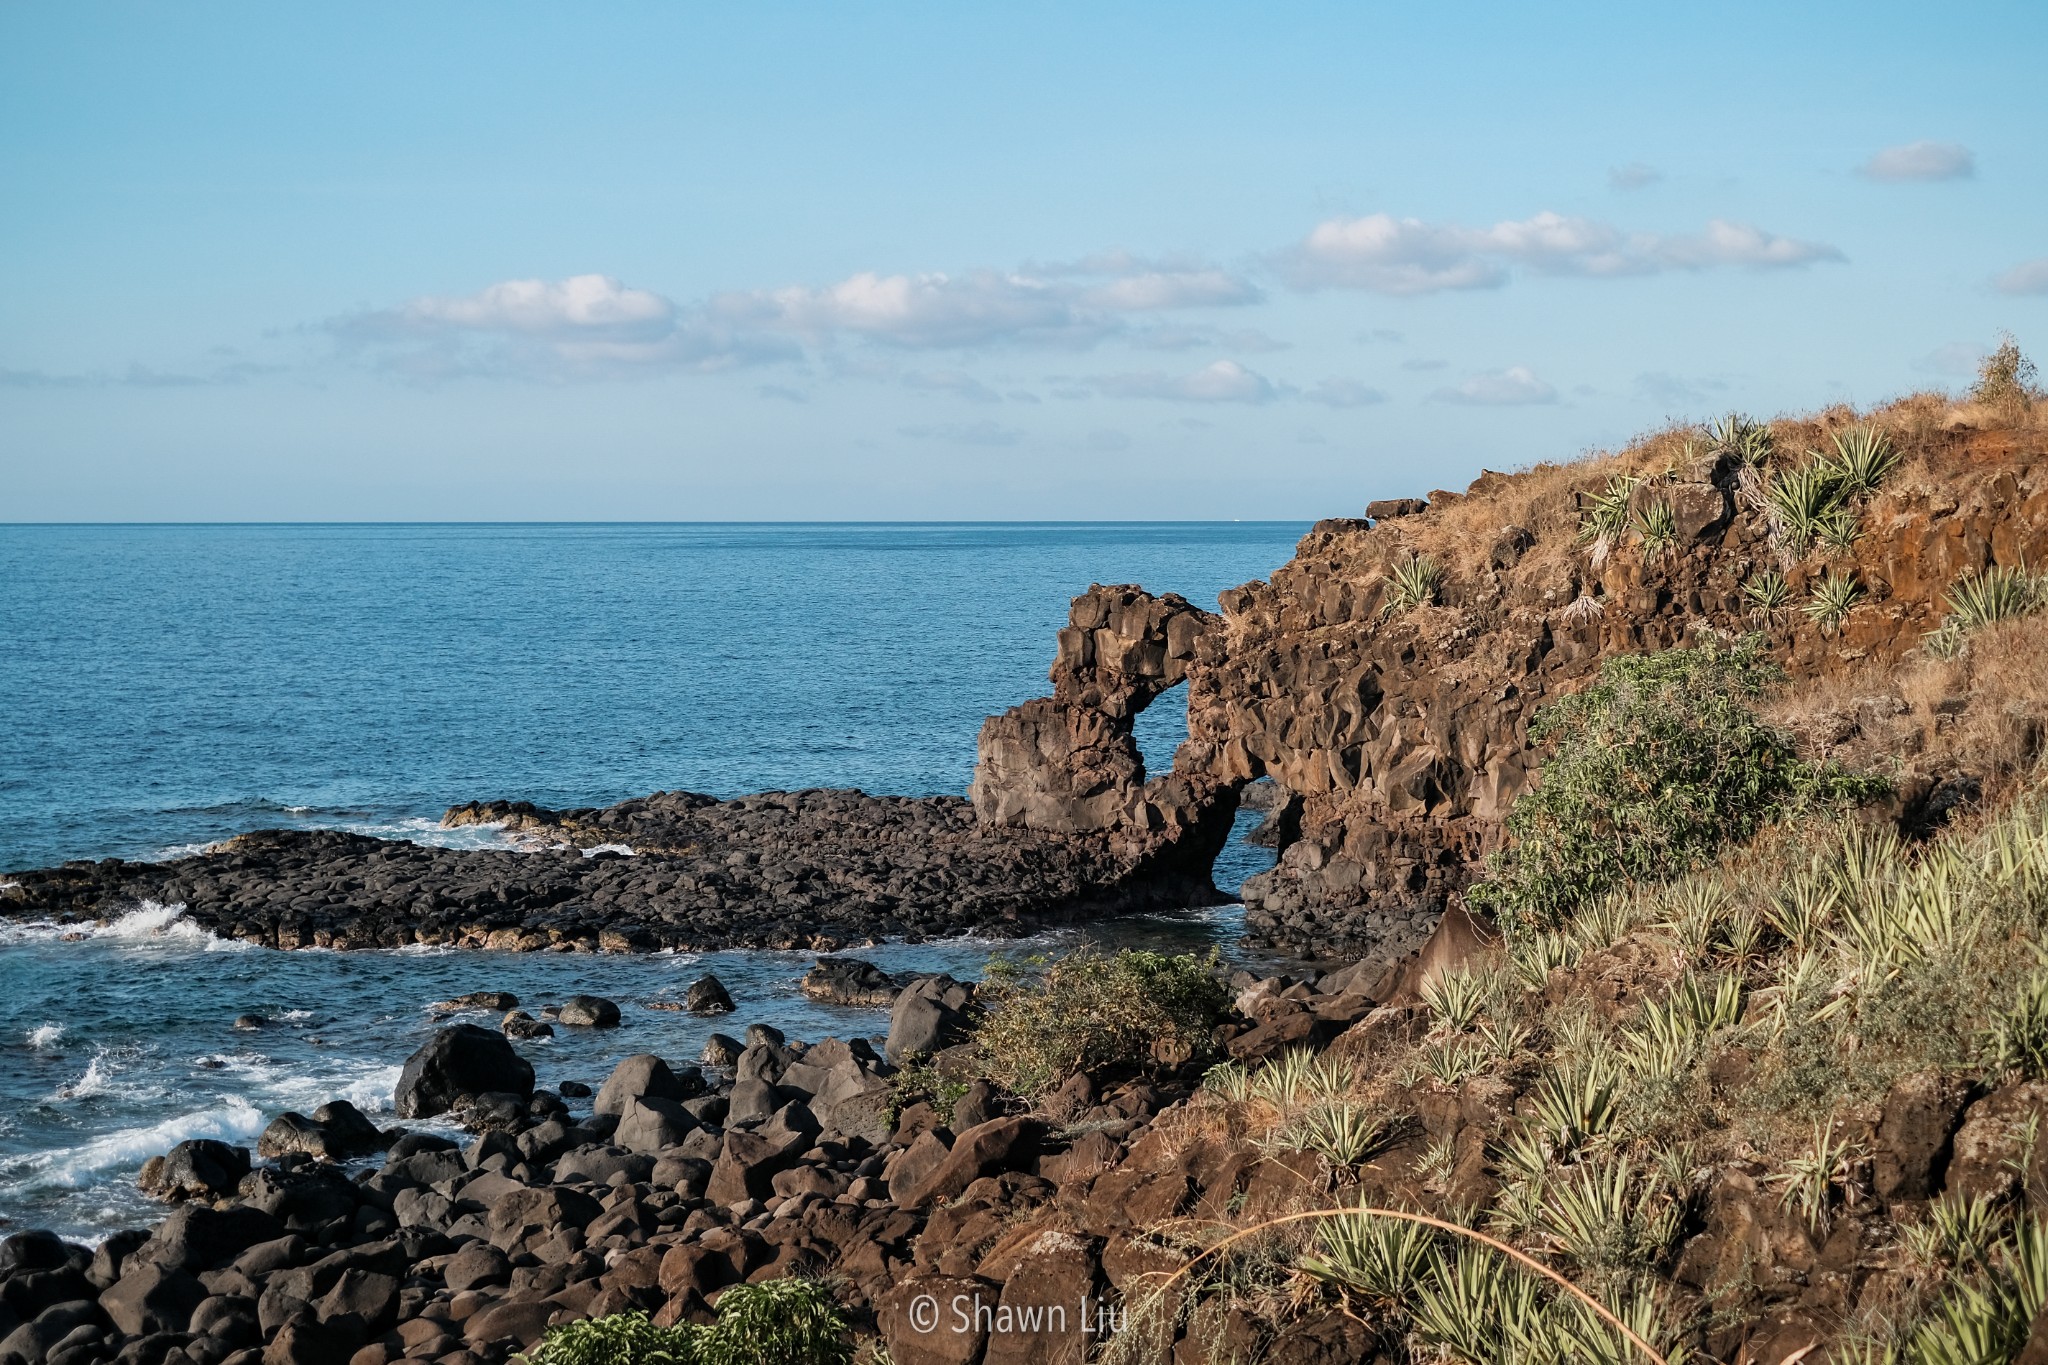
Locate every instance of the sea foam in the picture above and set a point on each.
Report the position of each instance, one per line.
(229, 1117)
(46, 1035)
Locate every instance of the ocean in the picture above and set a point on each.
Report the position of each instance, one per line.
(167, 686)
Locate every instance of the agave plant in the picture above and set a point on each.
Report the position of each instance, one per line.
(1228, 1080)
(1811, 1180)
(1605, 1216)
(1575, 1106)
(1345, 1133)
(1832, 599)
(1606, 515)
(1987, 1317)
(1456, 999)
(1736, 435)
(1768, 595)
(1838, 529)
(1864, 458)
(2017, 1038)
(1956, 1232)
(1799, 501)
(1381, 1259)
(1413, 582)
(1657, 524)
(1997, 594)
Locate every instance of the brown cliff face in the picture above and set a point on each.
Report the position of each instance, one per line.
(1403, 735)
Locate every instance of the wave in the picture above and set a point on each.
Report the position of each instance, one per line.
(46, 1035)
(228, 1117)
(596, 849)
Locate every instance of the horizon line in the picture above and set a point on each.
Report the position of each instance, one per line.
(1035, 521)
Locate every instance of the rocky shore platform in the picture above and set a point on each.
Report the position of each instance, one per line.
(336, 1242)
(818, 869)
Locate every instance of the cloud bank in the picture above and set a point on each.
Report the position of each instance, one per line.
(1923, 160)
(1389, 255)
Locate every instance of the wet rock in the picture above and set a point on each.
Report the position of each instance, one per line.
(588, 1011)
(35, 1249)
(459, 1060)
(199, 1168)
(573, 1090)
(520, 1024)
(849, 981)
(496, 1002)
(249, 1023)
(707, 995)
(337, 1131)
(721, 1050)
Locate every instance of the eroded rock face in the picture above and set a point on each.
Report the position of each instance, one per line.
(1400, 738)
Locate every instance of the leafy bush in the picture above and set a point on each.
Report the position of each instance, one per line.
(782, 1322)
(1653, 767)
(1048, 1020)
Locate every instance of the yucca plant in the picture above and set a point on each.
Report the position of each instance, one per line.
(1736, 435)
(1838, 530)
(1812, 1180)
(1768, 595)
(2017, 1037)
(1799, 907)
(1606, 1217)
(1799, 500)
(1574, 1106)
(1997, 594)
(1228, 1080)
(1832, 599)
(1301, 1076)
(1957, 1233)
(1533, 956)
(1864, 458)
(1345, 1133)
(1657, 524)
(1379, 1259)
(1464, 1303)
(1449, 1063)
(1413, 582)
(1985, 1317)
(1606, 515)
(1456, 999)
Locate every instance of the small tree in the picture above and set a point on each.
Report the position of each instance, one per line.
(2005, 378)
(1048, 1020)
(1654, 766)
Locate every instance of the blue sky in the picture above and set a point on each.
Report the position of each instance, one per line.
(790, 262)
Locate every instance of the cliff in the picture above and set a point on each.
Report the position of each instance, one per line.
(1400, 734)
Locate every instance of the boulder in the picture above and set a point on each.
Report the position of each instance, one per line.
(459, 1060)
(520, 1024)
(645, 1074)
(1386, 509)
(849, 981)
(747, 1164)
(198, 1168)
(32, 1341)
(336, 1132)
(721, 1050)
(1921, 1113)
(707, 995)
(495, 1001)
(588, 1011)
(152, 1297)
(651, 1125)
(196, 1238)
(929, 1014)
(938, 1319)
(998, 1145)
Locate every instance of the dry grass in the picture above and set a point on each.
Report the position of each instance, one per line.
(1984, 712)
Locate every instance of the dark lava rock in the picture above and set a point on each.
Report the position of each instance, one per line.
(588, 1011)
(495, 1001)
(849, 981)
(707, 995)
(520, 1024)
(461, 1059)
(201, 1168)
(721, 1050)
(646, 1074)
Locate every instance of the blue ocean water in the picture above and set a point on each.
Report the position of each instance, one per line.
(166, 686)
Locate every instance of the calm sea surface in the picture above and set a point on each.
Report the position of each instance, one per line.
(162, 687)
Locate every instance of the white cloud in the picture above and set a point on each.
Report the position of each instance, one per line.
(1923, 160)
(922, 311)
(2028, 277)
(1512, 387)
(1344, 393)
(1391, 255)
(580, 304)
(1226, 381)
(1634, 176)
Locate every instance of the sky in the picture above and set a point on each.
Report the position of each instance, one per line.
(620, 261)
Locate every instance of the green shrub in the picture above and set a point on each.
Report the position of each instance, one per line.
(782, 1322)
(1653, 767)
(1047, 1020)
(2005, 378)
